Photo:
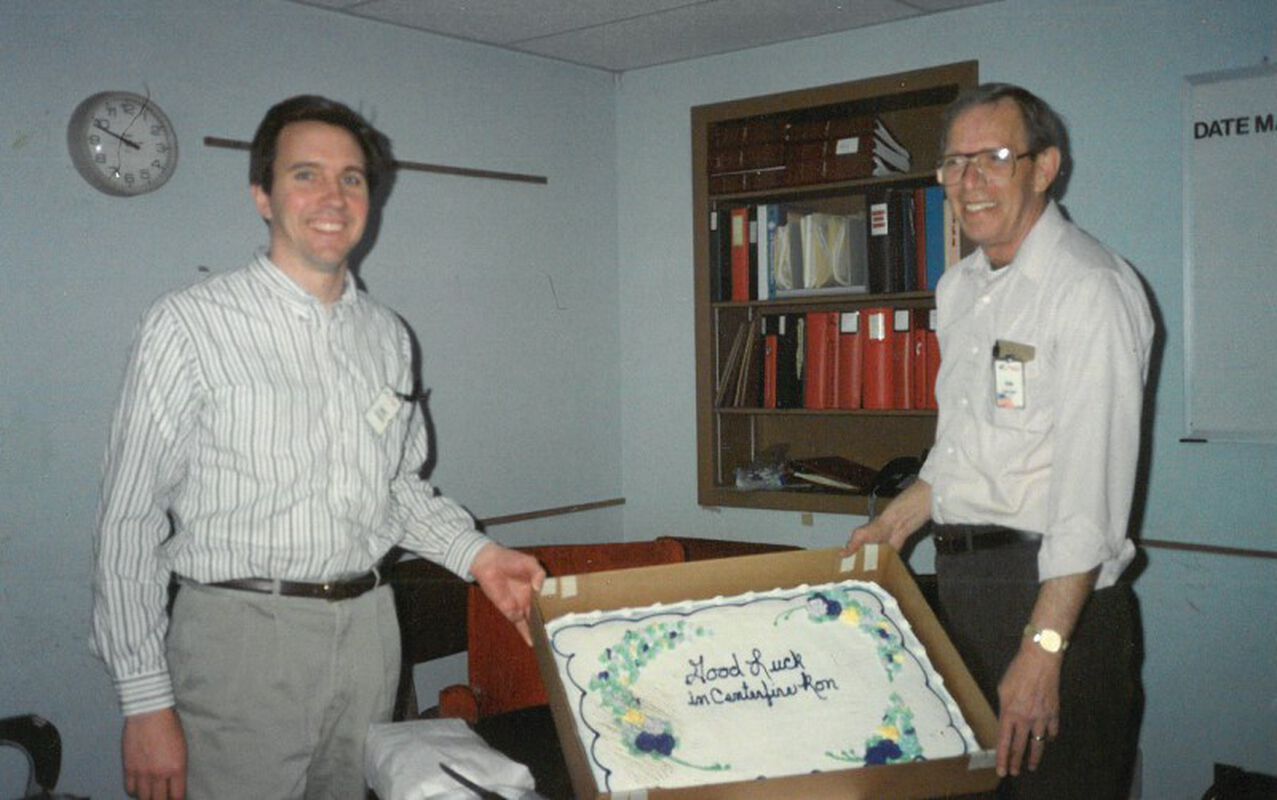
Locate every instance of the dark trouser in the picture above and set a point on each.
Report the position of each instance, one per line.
(986, 597)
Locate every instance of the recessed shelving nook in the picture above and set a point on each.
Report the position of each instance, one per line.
(811, 159)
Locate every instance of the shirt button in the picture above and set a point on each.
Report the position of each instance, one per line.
(949, 450)
(986, 299)
(975, 351)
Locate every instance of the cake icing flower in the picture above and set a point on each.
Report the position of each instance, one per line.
(838, 604)
(641, 732)
(893, 742)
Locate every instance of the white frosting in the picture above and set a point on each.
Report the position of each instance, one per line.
(767, 684)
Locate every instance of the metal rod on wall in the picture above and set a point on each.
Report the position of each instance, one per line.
(412, 166)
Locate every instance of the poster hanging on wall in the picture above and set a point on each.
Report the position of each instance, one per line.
(1230, 255)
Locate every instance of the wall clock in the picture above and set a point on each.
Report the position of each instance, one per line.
(122, 143)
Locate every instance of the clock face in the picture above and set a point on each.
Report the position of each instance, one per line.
(122, 143)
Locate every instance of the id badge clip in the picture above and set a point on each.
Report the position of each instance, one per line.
(1009, 359)
(383, 409)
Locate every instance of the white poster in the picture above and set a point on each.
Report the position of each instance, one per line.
(1230, 250)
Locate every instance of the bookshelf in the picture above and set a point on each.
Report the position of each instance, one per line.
(731, 435)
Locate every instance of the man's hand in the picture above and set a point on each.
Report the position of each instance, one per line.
(510, 579)
(873, 532)
(1029, 699)
(155, 756)
(899, 521)
(1029, 693)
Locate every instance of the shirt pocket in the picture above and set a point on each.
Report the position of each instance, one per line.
(1036, 415)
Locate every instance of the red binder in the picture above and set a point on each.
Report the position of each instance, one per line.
(740, 255)
(933, 360)
(822, 344)
(831, 359)
(878, 372)
(918, 358)
(920, 237)
(902, 358)
(851, 351)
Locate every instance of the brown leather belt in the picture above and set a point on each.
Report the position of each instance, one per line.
(956, 539)
(345, 589)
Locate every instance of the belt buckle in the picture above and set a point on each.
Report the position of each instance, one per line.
(955, 542)
(354, 587)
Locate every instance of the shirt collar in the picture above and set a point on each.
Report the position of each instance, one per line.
(1030, 259)
(294, 296)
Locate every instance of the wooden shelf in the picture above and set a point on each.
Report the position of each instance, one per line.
(912, 105)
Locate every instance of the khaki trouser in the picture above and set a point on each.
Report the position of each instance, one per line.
(275, 694)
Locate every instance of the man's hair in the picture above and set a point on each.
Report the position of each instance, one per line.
(313, 108)
(1043, 125)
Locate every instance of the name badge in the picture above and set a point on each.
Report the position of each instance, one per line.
(1008, 383)
(383, 409)
(1009, 359)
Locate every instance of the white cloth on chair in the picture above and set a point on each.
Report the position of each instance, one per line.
(402, 762)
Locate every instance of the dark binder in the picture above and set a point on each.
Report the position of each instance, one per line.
(834, 472)
(789, 379)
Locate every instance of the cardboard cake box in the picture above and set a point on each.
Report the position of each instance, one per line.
(700, 580)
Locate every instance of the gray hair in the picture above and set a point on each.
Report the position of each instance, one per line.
(1043, 125)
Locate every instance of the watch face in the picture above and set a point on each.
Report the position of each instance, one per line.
(1050, 641)
(122, 143)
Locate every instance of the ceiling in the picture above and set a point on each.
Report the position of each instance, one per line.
(619, 35)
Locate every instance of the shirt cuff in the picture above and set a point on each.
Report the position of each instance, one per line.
(145, 693)
(462, 551)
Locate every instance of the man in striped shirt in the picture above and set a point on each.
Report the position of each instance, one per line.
(265, 454)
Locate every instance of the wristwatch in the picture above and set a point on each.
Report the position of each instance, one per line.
(1048, 639)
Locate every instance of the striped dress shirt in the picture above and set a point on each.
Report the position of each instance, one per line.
(244, 446)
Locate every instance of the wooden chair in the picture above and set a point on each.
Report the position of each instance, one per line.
(503, 674)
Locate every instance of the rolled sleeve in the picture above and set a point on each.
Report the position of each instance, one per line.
(1103, 358)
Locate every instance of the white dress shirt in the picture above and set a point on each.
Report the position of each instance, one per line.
(1064, 463)
(243, 446)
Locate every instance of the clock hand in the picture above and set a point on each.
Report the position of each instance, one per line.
(123, 139)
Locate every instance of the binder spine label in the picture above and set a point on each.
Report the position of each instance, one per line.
(878, 219)
(848, 146)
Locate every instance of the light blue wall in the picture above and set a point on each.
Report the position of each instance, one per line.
(511, 288)
(523, 302)
(1115, 69)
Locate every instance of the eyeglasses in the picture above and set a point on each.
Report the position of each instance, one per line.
(994, 165)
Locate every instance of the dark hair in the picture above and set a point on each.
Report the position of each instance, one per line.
(1043, 125)
(313, 108)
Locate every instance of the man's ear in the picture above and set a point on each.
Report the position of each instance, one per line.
(1046, 168)
(262, 200)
